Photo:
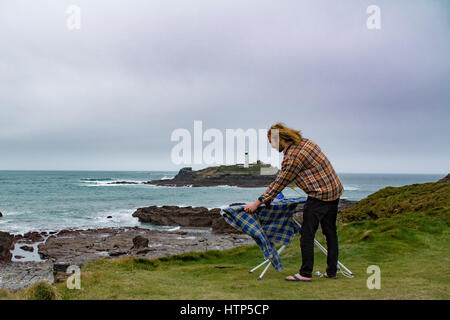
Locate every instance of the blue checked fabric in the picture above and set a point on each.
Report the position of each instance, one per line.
(268, 225)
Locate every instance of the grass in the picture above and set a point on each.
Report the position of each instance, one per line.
(412, 249)
(431, 197)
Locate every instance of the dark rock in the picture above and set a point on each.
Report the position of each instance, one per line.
(19, 257)
(123, 182)
(27, 248)
(117, 253)
(60, 267)
(140, 242)
(185, 174)
(6, 244)
(176, 216)
(444, 179)
(109, 217)
(60, 273)
(29, 237)
(1, 215)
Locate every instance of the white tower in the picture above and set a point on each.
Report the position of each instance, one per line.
(246, 160)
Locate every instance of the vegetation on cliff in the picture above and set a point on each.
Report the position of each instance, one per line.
(429, 198)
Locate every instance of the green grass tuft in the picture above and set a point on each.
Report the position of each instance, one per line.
(41, 291)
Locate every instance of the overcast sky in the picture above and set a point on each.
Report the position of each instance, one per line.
(108, 96)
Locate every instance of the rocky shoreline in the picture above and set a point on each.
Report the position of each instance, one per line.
(194, 229)
(77, 247)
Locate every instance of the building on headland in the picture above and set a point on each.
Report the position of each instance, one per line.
(250, 165)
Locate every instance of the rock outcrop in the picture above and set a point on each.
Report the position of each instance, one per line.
(6, 244)
(140, 242)
(184, 217)
(27, 248)
(30, 237)
(445, 179)
(123, 182)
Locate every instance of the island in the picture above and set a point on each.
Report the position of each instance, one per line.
(256, 175)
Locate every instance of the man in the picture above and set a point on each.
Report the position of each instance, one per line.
(305, 164)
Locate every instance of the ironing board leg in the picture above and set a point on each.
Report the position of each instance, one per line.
(259, 265)
(264, 262)
(264, 271)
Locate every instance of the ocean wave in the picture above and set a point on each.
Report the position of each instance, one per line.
(120, 216)
(226, 186)
(351, 188)
(15, 213)
(167, 178)
(109, 183)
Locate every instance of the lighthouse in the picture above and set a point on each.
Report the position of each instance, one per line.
(246, 160)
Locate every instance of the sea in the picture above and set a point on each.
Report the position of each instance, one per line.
(55, 200)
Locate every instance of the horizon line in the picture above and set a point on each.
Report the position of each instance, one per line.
(101, 170)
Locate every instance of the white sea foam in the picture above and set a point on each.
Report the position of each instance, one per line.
(109, 183)
(167, 178)
(119, 217)
(351, 188)
(226, 186)
(15, 213)
(220, 207)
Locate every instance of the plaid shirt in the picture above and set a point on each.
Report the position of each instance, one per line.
(269, 224)
(307, 166)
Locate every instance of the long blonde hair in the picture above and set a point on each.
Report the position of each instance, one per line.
(286, 133)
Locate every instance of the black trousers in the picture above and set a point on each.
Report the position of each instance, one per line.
(317, 212)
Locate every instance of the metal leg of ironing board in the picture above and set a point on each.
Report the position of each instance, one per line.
(264, 262)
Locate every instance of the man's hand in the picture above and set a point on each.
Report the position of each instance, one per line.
(251, 207)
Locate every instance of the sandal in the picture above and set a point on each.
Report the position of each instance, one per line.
(296, 278)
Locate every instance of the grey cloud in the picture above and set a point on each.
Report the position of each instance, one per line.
(138, 70)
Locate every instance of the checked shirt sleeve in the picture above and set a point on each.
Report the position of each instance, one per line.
(290, 169)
